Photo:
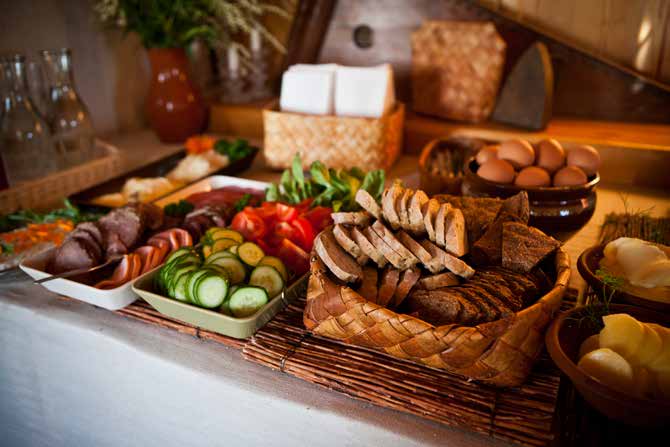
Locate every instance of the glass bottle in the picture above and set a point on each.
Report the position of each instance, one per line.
(67, 114)
(27, 147)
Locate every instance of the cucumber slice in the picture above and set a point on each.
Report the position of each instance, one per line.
(224, 233)
(211, 290)
(225, 307)
(180, 288)
(268, 278)
(177, 273)
(250, 253)
(180, 252)
(233, 267)
(222, 244)
(247, 300)
(275, 262)
(193, 282)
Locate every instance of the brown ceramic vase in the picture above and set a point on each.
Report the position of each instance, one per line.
(174, 107)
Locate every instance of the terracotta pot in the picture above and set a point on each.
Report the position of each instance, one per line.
(174, 106)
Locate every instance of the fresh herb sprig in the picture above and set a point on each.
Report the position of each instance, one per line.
(328, 187)
(178, 209)
(600, 306)
(242, 202)
(235, 150)
(6, 248)
(69, 212)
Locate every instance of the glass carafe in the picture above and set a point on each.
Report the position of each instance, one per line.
(26, 145)
(67, 114)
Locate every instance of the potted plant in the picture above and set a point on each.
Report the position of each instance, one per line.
(174, 106)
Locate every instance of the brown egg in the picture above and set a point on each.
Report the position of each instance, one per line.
(498, 171)
(585, 157)
(549, 154)
(518, 152)
(532, 176)
(570, 176)
(487, 153)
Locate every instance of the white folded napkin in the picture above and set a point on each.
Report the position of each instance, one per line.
(364, 91)
(307, 91)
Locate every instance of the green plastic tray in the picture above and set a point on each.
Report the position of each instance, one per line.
(210, 319)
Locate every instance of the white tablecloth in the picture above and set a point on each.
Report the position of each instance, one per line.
(72, 374)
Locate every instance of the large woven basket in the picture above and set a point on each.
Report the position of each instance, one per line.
(337, 141)
(499, 353)
(456, 69)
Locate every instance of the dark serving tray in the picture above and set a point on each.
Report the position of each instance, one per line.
(160, 168)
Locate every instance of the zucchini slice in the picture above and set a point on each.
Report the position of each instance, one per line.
(233, 267)
(233, 249)
(219, 254)
(222, 244)
(250, 253)
(224, 233)
(247, 300)
(275, 262)
(268, 278)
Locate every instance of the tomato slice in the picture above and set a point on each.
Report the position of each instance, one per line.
(305, 232)
(294, 257)
(319, 217)
(286, 213)
(249, 224)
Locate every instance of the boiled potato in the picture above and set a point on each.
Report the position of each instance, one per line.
(663, 384)
(590, 344)
(610, 368)
(662, 360)
(622, 334)
(648, 349)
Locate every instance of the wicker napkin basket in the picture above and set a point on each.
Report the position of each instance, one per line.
(456, 69)
(500, 353)
(337, 141)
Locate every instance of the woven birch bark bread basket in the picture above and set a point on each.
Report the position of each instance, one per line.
(500, 352)
(337, 141)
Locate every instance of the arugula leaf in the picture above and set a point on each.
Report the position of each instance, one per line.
(296, 167)
(374, 183)
(236, 150)
(272, 193)
(320, 173)
(357, 172)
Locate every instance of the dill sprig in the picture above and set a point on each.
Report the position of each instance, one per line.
(599, 306)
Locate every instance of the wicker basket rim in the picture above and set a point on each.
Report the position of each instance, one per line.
(398, 107)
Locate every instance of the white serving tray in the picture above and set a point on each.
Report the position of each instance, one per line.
(112, 299)
(120, 297)
(208, 184)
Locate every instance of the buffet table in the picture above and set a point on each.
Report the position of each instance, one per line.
(74, 374)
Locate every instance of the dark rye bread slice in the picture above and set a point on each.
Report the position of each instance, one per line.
(517, 206)
(477, 297)
(431, 263)
(516, 299)
(438, 281)
(343, 237)
(368, 203)
(389, 198)
(434, 308)
(367, 247)
(452, 263)
(488, 249)
(408, 280)
(368, 288)
(357, 218)
(524, 247)
(388, 282)
(338, 261)
(470, 311)
(499, 294)
(406, 258)
(415, 211)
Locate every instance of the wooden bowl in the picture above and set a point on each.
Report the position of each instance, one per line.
(563, 339)
(588, 263)
(557, 210)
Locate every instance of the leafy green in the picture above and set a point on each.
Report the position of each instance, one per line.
(236, 150)
(328, 187)
(178, 209)
(69, 212)
(6, 247)
(242, 202)
(600, 306)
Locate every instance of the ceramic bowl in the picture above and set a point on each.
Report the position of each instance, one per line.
(563, 339)
(557, 210)
(588, 264)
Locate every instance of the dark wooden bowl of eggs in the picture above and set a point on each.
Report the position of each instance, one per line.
(560, 180)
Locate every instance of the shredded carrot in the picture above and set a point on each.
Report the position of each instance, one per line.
(34, 233)
(198, 144)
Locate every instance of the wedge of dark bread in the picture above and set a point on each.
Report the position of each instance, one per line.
(524, 247)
